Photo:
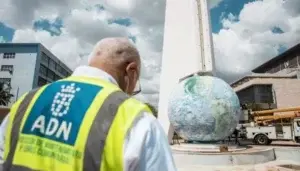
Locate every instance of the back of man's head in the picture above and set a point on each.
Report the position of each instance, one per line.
(118, 57)
(111, 50)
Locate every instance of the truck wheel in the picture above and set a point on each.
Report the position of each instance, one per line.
(262, 140)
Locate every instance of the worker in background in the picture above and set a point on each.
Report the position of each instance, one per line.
(236, 135)
(87, 121)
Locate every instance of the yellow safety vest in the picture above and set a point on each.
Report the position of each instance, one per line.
(75, 124)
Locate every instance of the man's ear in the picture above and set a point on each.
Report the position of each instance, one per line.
(132, 71)
(132, 66)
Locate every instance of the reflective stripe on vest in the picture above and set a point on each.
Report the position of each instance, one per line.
(7, 165)
(99, 130)
(96, 138)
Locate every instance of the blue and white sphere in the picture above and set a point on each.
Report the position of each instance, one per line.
(204, 108)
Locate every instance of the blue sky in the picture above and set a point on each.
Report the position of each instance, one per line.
(6, 32)
(53, 28)
(223, 9)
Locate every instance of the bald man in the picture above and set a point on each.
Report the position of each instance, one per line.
(88, 121)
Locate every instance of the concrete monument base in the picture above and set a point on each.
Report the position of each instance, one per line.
(218, 154)
(204, 148)
(208, 157)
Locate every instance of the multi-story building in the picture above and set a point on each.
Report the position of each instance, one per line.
(25, 66)
(288, 60)
(274, 84)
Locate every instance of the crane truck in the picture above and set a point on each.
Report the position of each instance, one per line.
(272, 125)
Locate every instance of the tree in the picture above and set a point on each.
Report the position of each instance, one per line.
(153, 109)
(5, 95)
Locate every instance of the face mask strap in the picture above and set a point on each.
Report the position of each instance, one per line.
(139, 89)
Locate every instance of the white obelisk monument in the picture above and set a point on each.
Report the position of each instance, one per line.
(187, 49)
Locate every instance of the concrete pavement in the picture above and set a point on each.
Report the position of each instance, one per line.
(286, 158)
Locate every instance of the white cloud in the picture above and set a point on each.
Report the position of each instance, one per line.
(21, 14)
(90, 26)
(247, 40)
(66, 47)
(85, 24)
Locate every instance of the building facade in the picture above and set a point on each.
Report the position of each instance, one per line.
(269, 91)
(274, 84)
(25, 66)
(288, 59)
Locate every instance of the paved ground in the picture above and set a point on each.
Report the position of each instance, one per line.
(271, 166)
(180, 161)
(184, 163)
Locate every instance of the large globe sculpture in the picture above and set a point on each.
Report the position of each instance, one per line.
(204, 108)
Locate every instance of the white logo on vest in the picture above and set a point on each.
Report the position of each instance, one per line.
(63, 99)
(60, 107)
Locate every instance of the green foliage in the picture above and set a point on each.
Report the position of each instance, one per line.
(5, 95)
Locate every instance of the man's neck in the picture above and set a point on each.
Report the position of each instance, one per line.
(89, 71)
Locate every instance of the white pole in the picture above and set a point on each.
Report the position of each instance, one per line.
(187, 49)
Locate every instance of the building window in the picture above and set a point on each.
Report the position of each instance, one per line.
(41, 81)
(276, 69)
(5, 80)
(64, 73)
(270, 70)
(59, 69)
(9, 68)
(246, 95)
(51, 64)
(264, 94)
(43, 70)
(256, 94)
(56, 77)
(45, 58)
(9, 55)
(50, 74)
(293, 62)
